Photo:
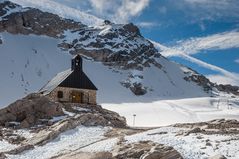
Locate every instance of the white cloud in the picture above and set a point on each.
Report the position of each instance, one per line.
(147, 24)
(213, 42)
(119, 11)
(211, 9)
(222, 79)
(237, 61)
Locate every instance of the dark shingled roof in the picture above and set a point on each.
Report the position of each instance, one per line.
(78, 79)
(72, 78)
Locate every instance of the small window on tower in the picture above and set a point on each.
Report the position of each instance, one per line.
(60, 94)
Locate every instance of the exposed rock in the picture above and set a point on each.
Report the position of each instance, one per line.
(138, 89)
(201, 81)
(194, 130)
(3, 156)
(147, 150)
(218, 126)
(228, 88)
(33, 21)
(217, 157)
(208, 85)
(131, 28)
(98, 116)
(29, 110)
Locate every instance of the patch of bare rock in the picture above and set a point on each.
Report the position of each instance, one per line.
(218, 126)
(146, 150)
(142, 149)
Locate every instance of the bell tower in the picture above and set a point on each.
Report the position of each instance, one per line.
(76, 63)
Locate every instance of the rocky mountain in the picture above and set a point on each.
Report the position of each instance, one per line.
(120, 48)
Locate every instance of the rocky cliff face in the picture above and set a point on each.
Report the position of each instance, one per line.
(18, 20)
(113, 44)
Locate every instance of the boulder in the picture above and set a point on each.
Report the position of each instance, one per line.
(29, 110)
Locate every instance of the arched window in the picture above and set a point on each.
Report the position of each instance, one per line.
(60, 94)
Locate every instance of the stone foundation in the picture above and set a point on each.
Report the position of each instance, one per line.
(88, 96)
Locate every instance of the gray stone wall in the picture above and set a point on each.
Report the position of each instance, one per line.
(89, 96)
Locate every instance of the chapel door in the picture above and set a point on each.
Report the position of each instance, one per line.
(76, 97)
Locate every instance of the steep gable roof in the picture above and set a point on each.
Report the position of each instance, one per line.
(78, 79)
(68, 78)
(72, 78)
(55, 81)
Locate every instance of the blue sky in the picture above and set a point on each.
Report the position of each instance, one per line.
(202, 34)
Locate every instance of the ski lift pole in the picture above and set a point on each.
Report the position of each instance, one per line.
(134, 115)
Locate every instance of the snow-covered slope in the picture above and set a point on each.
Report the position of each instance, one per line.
(26, 63)
(26, 66)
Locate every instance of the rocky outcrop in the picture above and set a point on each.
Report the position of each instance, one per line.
(36, 109)
(33, 21)
(146, 150)
(28, 111)
(91, 115)
(201, 81)
(118, 45)
(219, 126)
(228, 88)
(207, 85)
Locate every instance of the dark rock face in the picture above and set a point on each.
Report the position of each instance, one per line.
(201, 81)
(6, 6)
(29, 110)
(131, 28)
(114, 45)
(228, 88)
(33, 21)
(138, 89)
(208, 86)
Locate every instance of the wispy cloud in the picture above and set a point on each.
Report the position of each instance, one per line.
(147, 24)
(213, 42)
(119, 11)
(237, 61)
(212, 9)
(222, 79)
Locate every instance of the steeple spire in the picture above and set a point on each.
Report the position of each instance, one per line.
(76, 63)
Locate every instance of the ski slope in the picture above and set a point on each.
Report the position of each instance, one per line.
(167, 112)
